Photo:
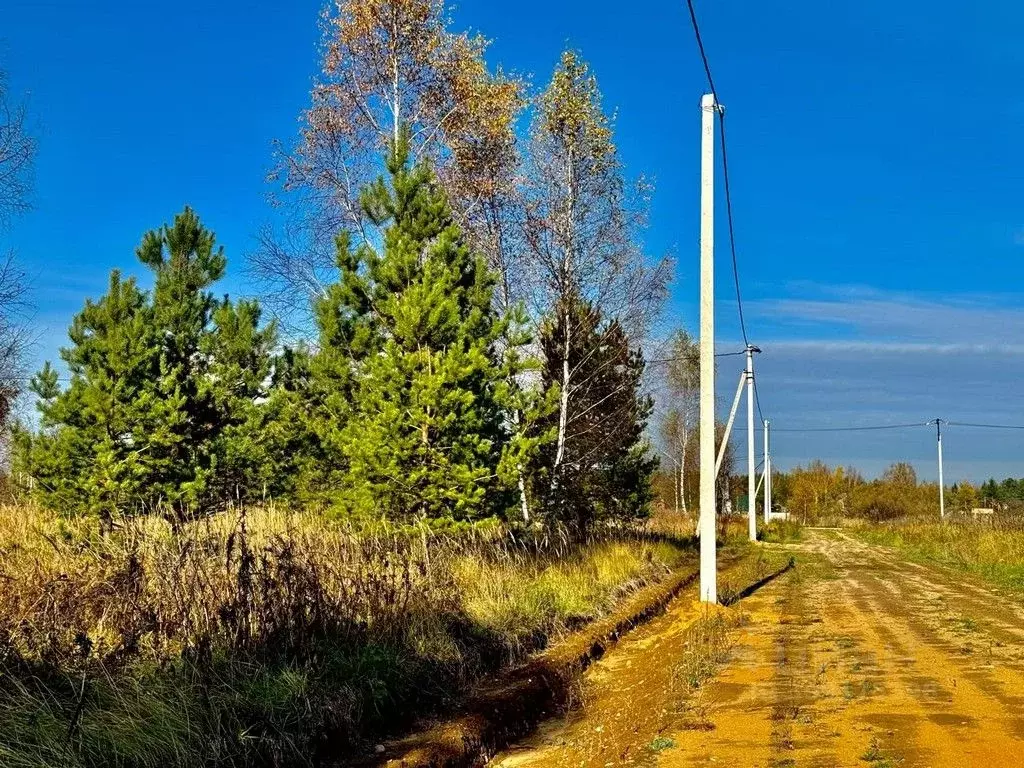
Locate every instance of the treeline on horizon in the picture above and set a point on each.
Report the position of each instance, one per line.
(819, 493)
(471, 300)
(1007, 491)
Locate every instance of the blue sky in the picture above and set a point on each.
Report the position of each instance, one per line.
(875, 152)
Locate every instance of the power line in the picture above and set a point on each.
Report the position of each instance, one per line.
(728, 217)
(871, 428)
(757, 401)
(909, 425)
(684, 357)
(725, 166)
(700, 47)
(982, 426)
(875, 427)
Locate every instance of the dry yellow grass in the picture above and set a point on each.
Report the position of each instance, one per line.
(268, 636)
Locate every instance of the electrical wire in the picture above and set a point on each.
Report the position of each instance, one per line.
(871, 428)
(981, 426)
(700, 47)
(757, 401)
(725, 165)
(732, 230)
(899, 426)
(676, 359)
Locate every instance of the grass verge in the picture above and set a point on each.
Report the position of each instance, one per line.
(992, 552)
(782, 532)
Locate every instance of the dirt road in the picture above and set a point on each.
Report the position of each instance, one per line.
(854, 658)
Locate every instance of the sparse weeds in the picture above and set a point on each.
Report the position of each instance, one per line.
(707, 646)
(853, 689)
(877, 758)
(965, 625)
(661, 743)
(873, 753)
(783, 717)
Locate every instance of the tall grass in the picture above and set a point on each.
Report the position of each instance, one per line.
(992, 549)
(265, 637)
(782, 531)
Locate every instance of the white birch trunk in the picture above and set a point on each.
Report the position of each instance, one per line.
(524, 505)
(563, 406)
(682, 471)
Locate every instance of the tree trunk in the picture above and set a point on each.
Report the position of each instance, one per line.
(676, 489)
(563, 400)
(396, 92)
(524, 505)
(682, 471)
(566, 289)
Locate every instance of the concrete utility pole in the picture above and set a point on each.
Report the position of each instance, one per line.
(751, 470)
(708, 575)
(767, 471)
(942, 488)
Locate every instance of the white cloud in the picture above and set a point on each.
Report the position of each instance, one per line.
(856, 356)
(934, 323)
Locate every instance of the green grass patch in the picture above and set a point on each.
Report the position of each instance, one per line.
(782, 532)
(660, 743)
(992, 553)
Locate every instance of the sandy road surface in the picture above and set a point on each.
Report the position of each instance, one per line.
(855, 658)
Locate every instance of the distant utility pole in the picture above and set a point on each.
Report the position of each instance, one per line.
(751, 470)
(708, 576)
(767, 471)
(942, 487)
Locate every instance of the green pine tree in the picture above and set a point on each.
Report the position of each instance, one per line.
(163, 386)
(87, 456)
(409, 382)
(184, 418)
(239, 355)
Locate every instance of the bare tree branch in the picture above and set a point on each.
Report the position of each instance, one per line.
(387, 63)
(17, 153)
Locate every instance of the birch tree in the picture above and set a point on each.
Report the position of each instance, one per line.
(582, 228)
(682, 383)
(606, 475)
(388, 64)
